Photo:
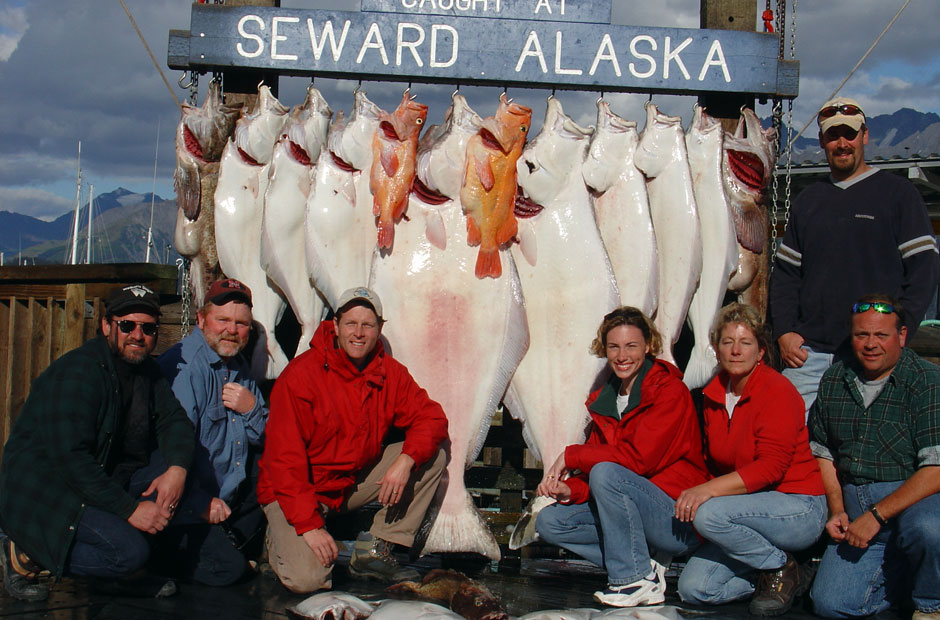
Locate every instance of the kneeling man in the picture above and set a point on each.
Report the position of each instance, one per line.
(875, 430)
(330, 411)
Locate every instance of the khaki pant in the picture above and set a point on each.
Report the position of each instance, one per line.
(293, 561)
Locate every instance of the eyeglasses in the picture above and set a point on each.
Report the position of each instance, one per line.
(878, 306)
(846, 109)
(128, 327)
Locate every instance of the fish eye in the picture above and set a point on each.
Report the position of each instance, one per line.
(478, 602)
(419, 121)
(524, 129)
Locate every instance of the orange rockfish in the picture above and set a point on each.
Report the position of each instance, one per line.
(394, 151)
(488, 194)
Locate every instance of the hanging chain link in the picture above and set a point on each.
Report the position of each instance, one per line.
(789, 148)
(186, 292)
(193, 88)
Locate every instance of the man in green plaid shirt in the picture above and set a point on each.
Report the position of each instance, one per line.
(875, 431)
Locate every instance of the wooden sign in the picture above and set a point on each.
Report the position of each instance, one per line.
(431, 44)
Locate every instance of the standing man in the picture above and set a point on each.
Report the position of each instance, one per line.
(861, 230)
(80, 488)
(875, 431)
(330, 411)
(211, 380)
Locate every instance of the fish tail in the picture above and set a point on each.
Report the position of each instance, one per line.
(376, 207)
(386, 234)
(488, 264)
(473, 232)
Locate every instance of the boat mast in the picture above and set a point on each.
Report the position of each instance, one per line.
(78, 205)
(153, 190)
(91, 192)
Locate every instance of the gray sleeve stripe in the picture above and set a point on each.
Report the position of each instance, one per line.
(928, 456)
(790, 255)
(820, 451)
(914, 246)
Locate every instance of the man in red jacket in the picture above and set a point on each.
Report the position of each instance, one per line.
(330, 411)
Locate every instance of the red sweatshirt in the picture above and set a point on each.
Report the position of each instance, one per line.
(766, 440)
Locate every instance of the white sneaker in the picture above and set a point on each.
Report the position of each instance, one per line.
(642, 592)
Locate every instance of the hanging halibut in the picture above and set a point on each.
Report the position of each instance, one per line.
(460, 337)
(285, 203)
(394, 150)
(200, 137)
(622, 209)
(719, 243)
(239, 201)
(661, 155)
(568, 285)
(489, 187)
(746, 168)
(339, 228)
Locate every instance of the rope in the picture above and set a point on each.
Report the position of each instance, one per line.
(857, 65)
(150, 53)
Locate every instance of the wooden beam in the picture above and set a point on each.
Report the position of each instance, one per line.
(738, 15)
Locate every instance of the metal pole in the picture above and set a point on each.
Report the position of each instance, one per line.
(78, 202)
(91, 192)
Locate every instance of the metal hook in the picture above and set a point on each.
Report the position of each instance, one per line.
(180, 82)
(601, 97)
(456, 90)
(260, 84)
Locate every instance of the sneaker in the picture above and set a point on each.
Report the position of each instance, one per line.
(16, 579)
(777, 589)
(926, 615)
(642, 592)
(372, 559)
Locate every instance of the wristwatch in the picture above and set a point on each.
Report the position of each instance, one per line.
(874, 512)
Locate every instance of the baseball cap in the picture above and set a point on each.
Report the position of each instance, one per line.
(223, 291)
(360, 293)
(131, 299)
(840, 111)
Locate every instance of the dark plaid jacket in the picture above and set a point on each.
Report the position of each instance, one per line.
(53, 462)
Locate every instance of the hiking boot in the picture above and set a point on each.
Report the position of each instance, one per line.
(649, 591)
(17, 576)
(372, 559)
(926, 615)
(776, 590)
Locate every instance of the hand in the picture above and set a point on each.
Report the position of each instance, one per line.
(237, 397)
(396, 477)
(217, 511)
(688, 502)
(837, 525)
(552, 484)
(149, 517)
(322, 545)
(790, 343)
(862, 530)
(168, 487)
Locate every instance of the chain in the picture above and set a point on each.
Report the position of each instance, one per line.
(789, 187)
(186, 292)
(193, 88)
(775, 192)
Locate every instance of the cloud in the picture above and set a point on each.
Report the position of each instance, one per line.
(39, 203)
(13, 25)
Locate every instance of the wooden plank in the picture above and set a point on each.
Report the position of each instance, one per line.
(25, 355)
(44, 353)
(21, 345)
(74, 315)
(6, 417)
(59, 347)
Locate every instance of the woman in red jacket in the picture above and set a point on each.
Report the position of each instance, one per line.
(616, 491)
(768, 498)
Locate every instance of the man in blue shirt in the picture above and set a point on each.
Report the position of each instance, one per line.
(211, 379)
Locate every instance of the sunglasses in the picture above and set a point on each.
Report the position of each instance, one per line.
(128, 327)
(878, 306)
(846, 109)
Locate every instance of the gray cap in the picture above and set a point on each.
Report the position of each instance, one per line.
(360, 293)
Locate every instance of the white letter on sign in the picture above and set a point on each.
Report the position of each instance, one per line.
(412, 45)
(435, 28)
(532, 48)
(716, 58)
(558, 69)
(275, 37)
(605, 51)
(374, 41)
(253, 37)
(669, 56)
(646, 57)
(541, 4)
(317, 47)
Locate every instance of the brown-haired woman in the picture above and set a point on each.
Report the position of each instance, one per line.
(644, 447)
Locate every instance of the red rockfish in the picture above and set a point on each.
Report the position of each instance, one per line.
(394, 151)
(488, 194)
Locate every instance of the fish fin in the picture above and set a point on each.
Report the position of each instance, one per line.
(484, 172)
(434, 229)
(488, 264)
(752, 232)
(386, 234)
(508, 230)
(389, 160)
(528, 244)
(473, 232)
(376, 207)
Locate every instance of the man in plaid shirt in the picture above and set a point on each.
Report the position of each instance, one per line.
(875, 431)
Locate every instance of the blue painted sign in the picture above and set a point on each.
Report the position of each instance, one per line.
(501, 52)
(590, 11)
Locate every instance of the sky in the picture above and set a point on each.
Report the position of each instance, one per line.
(76, 71)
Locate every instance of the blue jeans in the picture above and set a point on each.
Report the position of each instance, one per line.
(901, 562)
(626, 517)
(747, 533)
(806, 378)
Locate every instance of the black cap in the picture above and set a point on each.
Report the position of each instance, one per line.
(131, 299)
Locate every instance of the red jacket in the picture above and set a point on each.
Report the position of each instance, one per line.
(327, 421)
(765, 440)
(658, 438)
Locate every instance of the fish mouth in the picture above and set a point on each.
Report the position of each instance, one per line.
(748, 168)
(299, 154)
(193, 146)
(248, 159)
(525, 207)
(490, 141)
(341, 163)
(427, 195)
(389, 130)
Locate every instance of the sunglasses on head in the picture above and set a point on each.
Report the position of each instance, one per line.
(845, 109)
(128, 327)
(877, 306)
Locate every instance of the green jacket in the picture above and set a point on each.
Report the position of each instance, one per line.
(53, 461)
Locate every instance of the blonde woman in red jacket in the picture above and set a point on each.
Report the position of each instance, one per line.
(616, 491)
(767, 498)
